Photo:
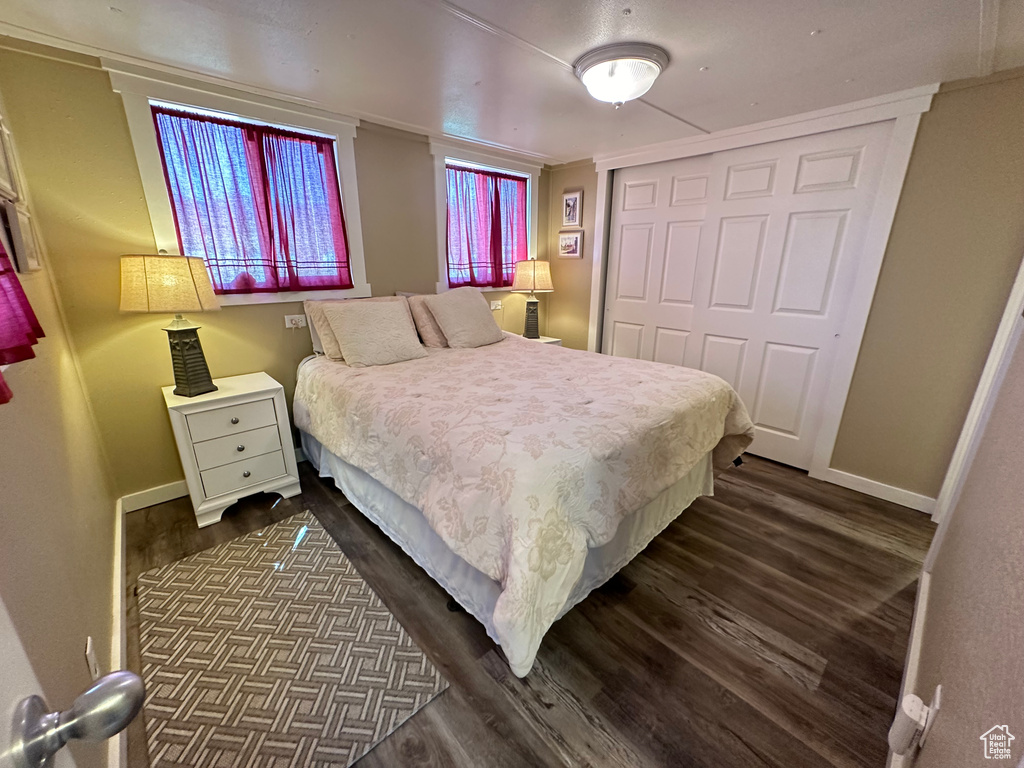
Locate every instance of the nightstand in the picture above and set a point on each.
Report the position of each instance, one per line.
(548, 340)
(233, 442)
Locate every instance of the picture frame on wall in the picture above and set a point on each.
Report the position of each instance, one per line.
(570, 245)
(572, 208)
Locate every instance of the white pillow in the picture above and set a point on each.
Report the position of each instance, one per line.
(464, 317)
(323, 333)
(429, 330)
(374, 332)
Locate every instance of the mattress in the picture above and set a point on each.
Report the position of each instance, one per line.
(476, 591)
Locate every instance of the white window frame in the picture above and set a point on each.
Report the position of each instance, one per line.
(486, 159)
(139, 87)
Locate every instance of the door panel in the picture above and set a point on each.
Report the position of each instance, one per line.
(738, 261)
(627, 339)
(670, 345)
(682, 243)
(741, 263)
(814, 241)
(724, 356)
(633, 271)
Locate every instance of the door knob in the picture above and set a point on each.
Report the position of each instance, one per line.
(101, 712)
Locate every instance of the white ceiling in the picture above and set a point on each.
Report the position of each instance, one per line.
(498, 71)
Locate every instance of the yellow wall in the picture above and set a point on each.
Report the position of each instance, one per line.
(57, 516)
(955, 247)
(568, 307)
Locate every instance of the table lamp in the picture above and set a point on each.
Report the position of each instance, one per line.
(532, 277)
(173, 284)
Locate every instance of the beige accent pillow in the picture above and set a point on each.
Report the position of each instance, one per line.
(374, 332)
(430, 331)
(328, 341)
(464, 317)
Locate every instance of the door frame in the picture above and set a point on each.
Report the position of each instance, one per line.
(903, 107)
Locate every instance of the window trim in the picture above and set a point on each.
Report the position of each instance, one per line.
(139, 87)
(486, 159)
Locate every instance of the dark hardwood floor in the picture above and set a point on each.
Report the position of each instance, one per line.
(767, 626)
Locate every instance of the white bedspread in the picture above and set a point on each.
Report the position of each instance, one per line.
(522, 455)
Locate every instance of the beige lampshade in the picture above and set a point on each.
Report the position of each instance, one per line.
(533, 276)
(167, 284)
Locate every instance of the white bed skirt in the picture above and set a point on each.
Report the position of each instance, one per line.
(474, 590)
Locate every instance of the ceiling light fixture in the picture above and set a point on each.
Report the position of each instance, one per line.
(621, 72)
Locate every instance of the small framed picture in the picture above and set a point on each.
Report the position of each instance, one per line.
(570, 245)
(572, 208)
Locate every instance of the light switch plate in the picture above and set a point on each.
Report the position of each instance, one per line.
(496, 304)
(90, 658)
(294, 321)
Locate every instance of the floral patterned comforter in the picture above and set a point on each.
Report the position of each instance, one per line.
(522, 455)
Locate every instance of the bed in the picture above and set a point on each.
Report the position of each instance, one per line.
(519, 475)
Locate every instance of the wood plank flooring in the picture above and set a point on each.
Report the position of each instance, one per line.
(767, 626)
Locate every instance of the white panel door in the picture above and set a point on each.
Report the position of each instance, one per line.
(757, 285)
(656, 233)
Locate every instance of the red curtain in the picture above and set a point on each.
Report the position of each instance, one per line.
(261, 205)
(19, 329)
(486, 226)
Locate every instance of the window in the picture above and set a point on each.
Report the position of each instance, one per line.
(487, 225)
(487, 212)
(260, 204)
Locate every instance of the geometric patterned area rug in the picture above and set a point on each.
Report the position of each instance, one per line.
(271, 651)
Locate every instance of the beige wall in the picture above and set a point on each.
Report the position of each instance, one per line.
(568, 308)
(77, 155)
(973, 642)
(57, 515)
(396, 200)
(955, 247)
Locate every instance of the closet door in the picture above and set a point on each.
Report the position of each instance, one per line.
(776, 254)
(657, 225)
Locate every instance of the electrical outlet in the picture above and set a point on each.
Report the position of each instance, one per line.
(496, 304)
(90, 659)
(294, 321)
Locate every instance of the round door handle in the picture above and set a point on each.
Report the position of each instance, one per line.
(246, 473)
(234, 420)
(240, 448)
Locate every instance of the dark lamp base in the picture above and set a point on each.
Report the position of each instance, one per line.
(191, 376)
(532, 326)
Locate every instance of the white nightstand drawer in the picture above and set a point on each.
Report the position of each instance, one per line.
(224, 450)
(218, 422)
(240, 474)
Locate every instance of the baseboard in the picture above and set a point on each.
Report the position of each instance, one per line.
(117, 749)
(906, 498)
(911, 668)
(147, 498)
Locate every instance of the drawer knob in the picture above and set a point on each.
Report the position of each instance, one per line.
(246, 473)
(234, 420)
(240, 448)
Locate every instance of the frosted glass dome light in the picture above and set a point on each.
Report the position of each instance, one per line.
(618, 73)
